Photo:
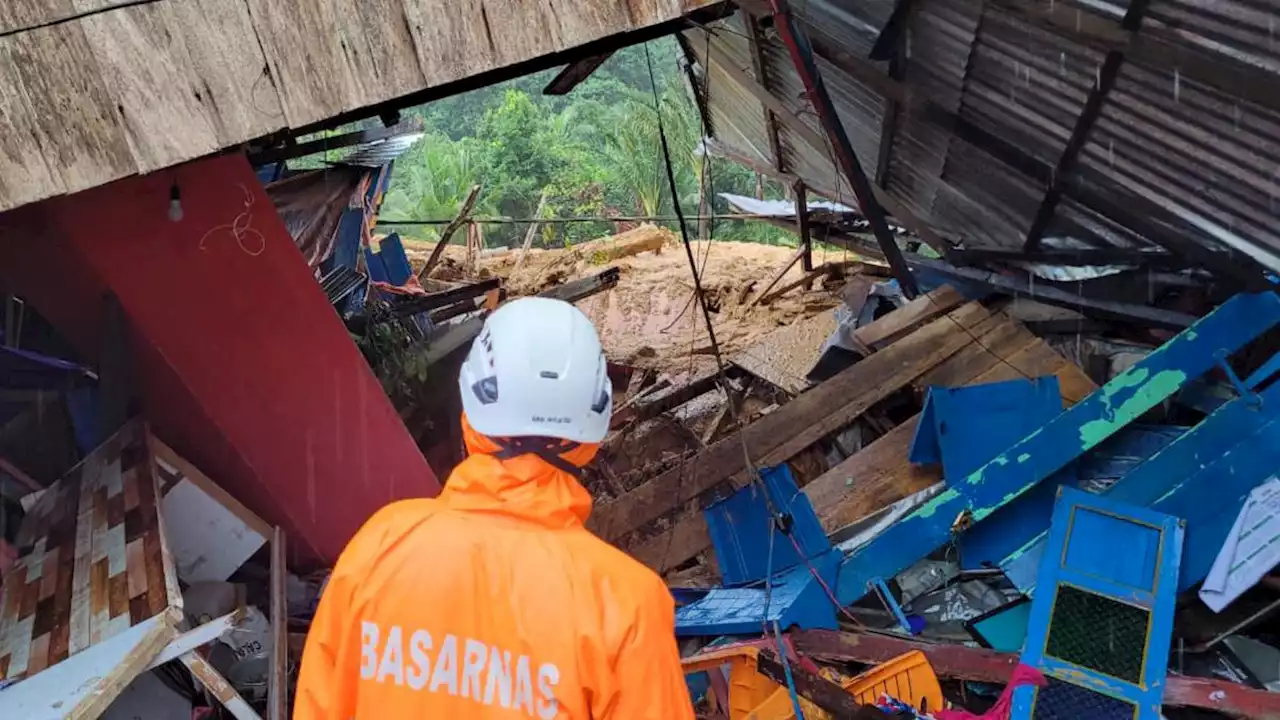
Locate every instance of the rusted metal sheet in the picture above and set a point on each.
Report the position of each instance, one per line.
(1182, 154)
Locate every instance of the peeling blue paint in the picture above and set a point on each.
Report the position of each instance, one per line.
(1062, 439)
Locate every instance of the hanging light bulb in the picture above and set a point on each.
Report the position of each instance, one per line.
(175, 203)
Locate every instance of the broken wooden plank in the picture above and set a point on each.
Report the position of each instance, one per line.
(432, 301)
(907, 318)
(199, 637)
(816, 689)
(448, 232)
(83, 686)
(576, 290)
(880, 474)
(875, 477)
(797, 424)
(217, 685)
(802, 281)
(961, 662)
(790, 263)
(532, 231)
(675, 398)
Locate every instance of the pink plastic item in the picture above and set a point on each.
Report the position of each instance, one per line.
(1022, 675)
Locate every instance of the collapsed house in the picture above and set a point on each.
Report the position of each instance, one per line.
(1050, 336)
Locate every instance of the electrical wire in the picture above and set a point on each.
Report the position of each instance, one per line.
(749, 466)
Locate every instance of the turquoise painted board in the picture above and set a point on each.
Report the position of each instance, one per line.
(1068, 436)
(1204, 476)
(1101, 627)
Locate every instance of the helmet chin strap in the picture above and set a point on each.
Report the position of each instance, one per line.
(549, 449)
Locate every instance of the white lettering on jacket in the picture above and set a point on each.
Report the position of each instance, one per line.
(462, 667)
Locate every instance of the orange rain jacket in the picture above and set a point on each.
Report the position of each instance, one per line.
(492, 601)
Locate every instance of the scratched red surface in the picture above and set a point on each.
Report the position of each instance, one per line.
(244, 367)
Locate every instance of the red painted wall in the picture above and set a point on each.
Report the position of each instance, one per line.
(243, 366)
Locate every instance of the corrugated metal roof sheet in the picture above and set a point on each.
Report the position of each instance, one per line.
(380, 152)
(1169, 156)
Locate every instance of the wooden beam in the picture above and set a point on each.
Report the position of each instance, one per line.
(213, 681)
(816, 689)
(533, 230)
(1156, 221)
(806, 66)
(583, 288)
(1071, 152)
(790, 263)
(448, 231)
(802, 281)
(890, 45)
(1080, 132)
(574, 73)
(961, 662)
(784, 115)
(756, 40)
(675, 398)
(802, 223)
(909, 317)
(431, 301)
(880, 474)
(795, 426)
(278, 672)
(1048, 293)
(1069, 258)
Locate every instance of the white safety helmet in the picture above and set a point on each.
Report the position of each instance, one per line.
(537, 370)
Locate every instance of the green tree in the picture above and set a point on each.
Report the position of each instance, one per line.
(432, 180)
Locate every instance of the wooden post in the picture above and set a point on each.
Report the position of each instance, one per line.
(278, 678)
(533, 230)
(802, 222)
(448, 231)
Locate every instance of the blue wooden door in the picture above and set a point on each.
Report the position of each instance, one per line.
(1102, 619)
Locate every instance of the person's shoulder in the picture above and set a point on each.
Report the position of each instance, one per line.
(620, 568)
(391, 521)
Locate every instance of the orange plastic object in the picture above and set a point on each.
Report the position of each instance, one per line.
(747, 688)
(752, 696)
(909, 678)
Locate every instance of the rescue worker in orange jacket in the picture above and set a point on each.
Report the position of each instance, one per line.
(493, 600)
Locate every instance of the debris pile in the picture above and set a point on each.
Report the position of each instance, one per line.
(142, 589)
(935, 498)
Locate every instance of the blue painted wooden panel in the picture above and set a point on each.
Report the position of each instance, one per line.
(1211, 499)
(1081, 561)
(976, 422)
(968, 426)
(1203, 476)
(740, 529)
(1007, 531)
(1060, 441)
(1135, 567)
(796, 600)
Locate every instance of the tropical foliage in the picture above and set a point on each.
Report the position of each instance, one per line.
(593, 152)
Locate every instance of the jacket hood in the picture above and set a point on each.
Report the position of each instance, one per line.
(524, 487)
